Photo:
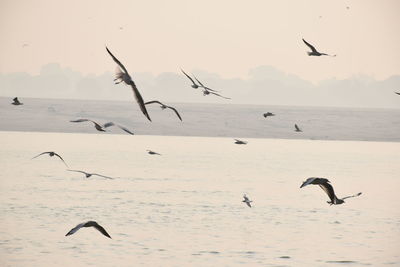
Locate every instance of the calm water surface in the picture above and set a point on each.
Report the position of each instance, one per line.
(184, 208)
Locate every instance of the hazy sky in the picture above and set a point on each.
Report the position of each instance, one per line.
(225, 37)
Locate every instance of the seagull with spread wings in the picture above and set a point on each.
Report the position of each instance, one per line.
(194, 85)
(314, 51)
(247, 200)
(16, 102)
(51, 154)
(89, 224)
(101, 128)
(163, 106)
(207, 92)
(328, 189)
(122, 75)
(87, 174)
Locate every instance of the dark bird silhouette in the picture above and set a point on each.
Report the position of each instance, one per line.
(16, 102)
(153, 153)
(163, 106)
(328, 189)
(207, 92)
(314, 51)
(89, 224)
(87, 174)
(268, 114)
(194, 85)
(51, 154)
(240, 142)
(247, 200)
(101, 128)
(123, 76)
(397, 93)
(297, 129)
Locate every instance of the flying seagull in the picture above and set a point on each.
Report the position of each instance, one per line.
(101, 128)
(123, 76)
(153, 153)
(314, 51)
(207, 92)
(268, 114)
(90, 174)
(327, 187)
(194, 85)
(163, 106)
(297, 129)
(51, 154)
(89, 224)
(397, 93)
(240, 142)
(247, 200)
(16, 102)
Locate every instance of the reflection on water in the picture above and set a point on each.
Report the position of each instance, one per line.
(184, 208)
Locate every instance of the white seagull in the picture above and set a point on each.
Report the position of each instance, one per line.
(314, 51)
(87, 174)
(123, 76)
(51, 154)
(328, 189)
(247, 200)
(89, 224)
(163, 106)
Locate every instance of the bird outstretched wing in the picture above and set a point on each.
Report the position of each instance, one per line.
(158, 102)
(310, 46)
(190, 78)
(117, 61)
(356, 195)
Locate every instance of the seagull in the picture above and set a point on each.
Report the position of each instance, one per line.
(297, 129)
(314, 51)
(194, 85)
(240, 142)
(247, 200)
(16, 102)
(101, 128)
(327, 187)
(89, 224)
(397, 93)
(163, 106)
(207, 92)
(268, 114)
(90, 174)
(123, 76)
(51, 154)
(153, 153)
(204, 87)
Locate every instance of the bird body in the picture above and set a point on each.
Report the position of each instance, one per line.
(16, 102)
(89, 224)
(268, 114)
(297, 129)
(153, 153)
(247, 200)
(314, 51)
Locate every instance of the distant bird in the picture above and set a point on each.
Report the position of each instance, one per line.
(101, 128)
(123, 76)
(163, 106)
(16, 102)
(397, 93)
(314, 51)
(51, 154)
(268, 114)
(194, 85)
(240, 142)
(204, 87)
(297, 129)
(90, 174)
(328, 189)
(153, 153)
(247, 200)
(89, 224)
(207, 92)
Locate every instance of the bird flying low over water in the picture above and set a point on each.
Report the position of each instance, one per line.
(297, 129)
(247, 200)
(240, 142)
(101, 128)
(163, 106)
(87, 174)
(51, 154)
(123, 76)
(268, 114)
(328, 189)
(16, 102)
(89, 224)
(152, 152)
(314, 51)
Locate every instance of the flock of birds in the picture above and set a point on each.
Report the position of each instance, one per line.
(122, 75)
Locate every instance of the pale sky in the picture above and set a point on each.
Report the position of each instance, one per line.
(225, 37)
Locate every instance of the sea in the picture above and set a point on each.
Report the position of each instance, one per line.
(184, 207)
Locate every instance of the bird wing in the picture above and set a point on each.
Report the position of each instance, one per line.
(328, 188)
(245, 198)
(198, 81)
(158, 102)
(248, 204)
(176, 112)
(108, 177)
(79, 120)
(117, 61)
(15, 99)
(190, 78)
(76, 228)
(310, 46)
(219, 95)
(40, 154)
(140, 101)
(397, 93)
(77, 171)
(356, 195)
(109, 124)
(101, 230)
(307, 182)
(297, 127)
(60, 158)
